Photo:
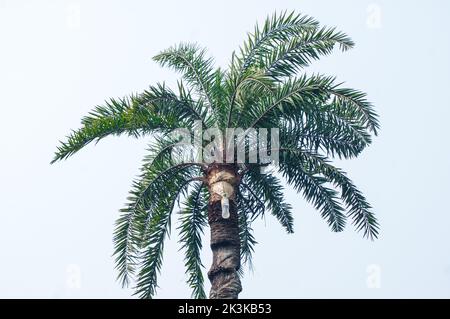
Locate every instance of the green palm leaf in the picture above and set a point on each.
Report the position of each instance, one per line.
(193, 220)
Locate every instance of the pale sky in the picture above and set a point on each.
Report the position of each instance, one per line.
(61, 58)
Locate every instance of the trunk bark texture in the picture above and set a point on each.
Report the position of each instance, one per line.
(225, 243)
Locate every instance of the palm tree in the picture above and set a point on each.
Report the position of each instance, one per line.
(317, 119)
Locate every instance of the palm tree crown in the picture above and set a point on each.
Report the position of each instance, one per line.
(263, 87)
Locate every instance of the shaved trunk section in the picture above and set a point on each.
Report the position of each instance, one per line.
(225, 242)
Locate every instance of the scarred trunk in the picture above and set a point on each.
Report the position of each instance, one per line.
(225, 243)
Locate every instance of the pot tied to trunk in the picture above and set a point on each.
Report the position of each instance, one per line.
(222, 180)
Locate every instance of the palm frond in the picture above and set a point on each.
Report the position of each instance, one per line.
(151, 259)
(358, 207)
(268, 187)
(325, 130)
(254, 205)
(250, 91)
(288, 58)
(280, 28)
(157, 109)
(290, 98)
(355, 102)
(314, 188)
(197, 70)
(309, 95)
(160, 172)
(277, 29)
(193, 220)
(248, 209)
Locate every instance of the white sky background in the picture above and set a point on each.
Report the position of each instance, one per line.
(58, 59)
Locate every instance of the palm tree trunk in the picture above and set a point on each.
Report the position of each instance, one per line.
(225, 242)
